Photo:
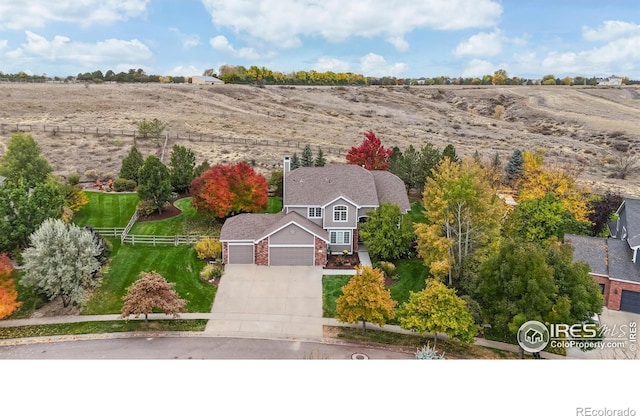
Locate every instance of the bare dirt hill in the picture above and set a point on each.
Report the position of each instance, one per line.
(589, 128)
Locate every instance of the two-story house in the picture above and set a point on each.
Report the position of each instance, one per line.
(322, 207)
(615, 261)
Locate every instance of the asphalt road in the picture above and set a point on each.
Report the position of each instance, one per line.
(188, 348)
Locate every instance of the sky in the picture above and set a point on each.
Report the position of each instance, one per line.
(401, 38)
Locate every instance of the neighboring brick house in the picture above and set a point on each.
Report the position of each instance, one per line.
(321, 210)
(614, 261)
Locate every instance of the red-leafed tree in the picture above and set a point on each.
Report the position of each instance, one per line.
(371, 155)
(225, 190)
(8, 293)
(151, 292)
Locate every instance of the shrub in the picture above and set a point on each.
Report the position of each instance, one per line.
(389, 269)
(146, 208)
(209, 248)
(428, 353)
(124, 185)
(210, 271)
(498, 112)
(73, 179)
(93, 174)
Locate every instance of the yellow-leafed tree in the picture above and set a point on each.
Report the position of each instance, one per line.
(365, 299)
(464, 215)
(537, 181)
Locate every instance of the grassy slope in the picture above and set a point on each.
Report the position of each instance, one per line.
(176, 264)
(107, 209)
(274, 205)
(170, 226)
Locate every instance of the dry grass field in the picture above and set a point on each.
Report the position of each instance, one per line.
(587, 128)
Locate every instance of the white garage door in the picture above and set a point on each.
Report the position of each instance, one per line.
(291, 256)
(240, 254)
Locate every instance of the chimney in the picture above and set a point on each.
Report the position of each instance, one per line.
(286, 165)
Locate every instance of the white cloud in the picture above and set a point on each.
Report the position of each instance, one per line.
(3, 43)
(478, 68)
(377, 66)
(188, 41)
(399, 42)
(614, 57)
(285, 22)
(81, 55)
(185, 71)
(325, 64)
(610, 30)
(221, 44)
(15, 15)
(481, 44)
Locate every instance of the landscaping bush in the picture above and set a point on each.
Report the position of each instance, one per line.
(146, 208)
(210, 271)
(73, 179)
(209, 248)
(389, 269)
(428, 353)
(124, 185)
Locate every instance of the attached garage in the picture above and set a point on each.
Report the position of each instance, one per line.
(630, 301)
(283, 239)
(240, 253)
(291, 256)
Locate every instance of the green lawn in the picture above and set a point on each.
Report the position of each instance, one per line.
(417, 213)
(274, 205)
(189, 222)
(176, 264)
(30, 300)
(107, 209)
(332, 290)
(412, 275)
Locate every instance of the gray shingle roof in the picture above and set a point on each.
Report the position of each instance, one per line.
(621, 265)
(254, 227)
(247, 226)
(390, 188)
(319, 186)
(591, 250)
(632, 214)
(301, 221)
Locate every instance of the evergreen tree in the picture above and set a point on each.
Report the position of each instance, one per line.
(306, 159)
(320, 159)
(450, 152)
(515, 167)
(131, 164)
(201, 168)
(154, 183)
(295, 161)
(181, 168)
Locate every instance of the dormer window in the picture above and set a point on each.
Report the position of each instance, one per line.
(340, 213)
(314, 212)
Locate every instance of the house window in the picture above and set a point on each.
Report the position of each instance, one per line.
(314, 213)
(340, 213)
(340, 237)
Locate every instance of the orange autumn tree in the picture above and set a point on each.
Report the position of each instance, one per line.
(8, 293)
(371, 154)
(226, 190)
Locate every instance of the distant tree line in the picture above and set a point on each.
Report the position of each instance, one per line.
(238, 74)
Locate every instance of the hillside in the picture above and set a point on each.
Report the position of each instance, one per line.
(588, 128)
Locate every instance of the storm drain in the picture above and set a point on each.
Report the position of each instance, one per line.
(359, 356)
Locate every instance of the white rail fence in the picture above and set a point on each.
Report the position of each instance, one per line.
(154, 240)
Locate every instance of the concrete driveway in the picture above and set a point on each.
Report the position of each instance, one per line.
(617, 326)
(268, 302)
